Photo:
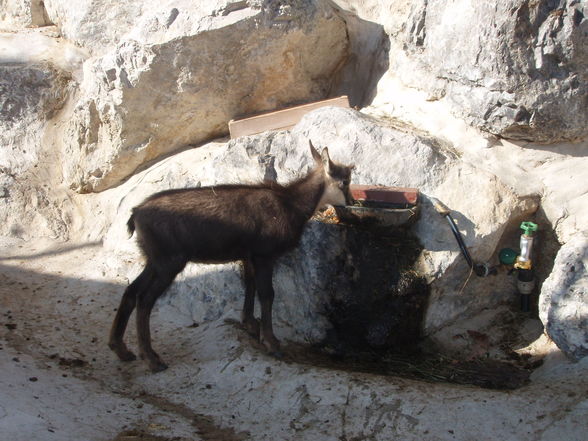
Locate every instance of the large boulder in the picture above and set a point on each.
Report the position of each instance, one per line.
(174, 81)
(96, 25)
(563, 308)
(520, 73)
(304, 278)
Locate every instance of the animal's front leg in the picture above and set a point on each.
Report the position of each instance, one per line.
(250, 323)
(265, 292)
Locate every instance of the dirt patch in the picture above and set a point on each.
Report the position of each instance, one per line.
(481, 372)
(484, 373)
(139, 435)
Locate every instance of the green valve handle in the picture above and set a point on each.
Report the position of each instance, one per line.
(529, 228)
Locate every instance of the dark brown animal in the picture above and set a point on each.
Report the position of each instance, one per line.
(251, 223)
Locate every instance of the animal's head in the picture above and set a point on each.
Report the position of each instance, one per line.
(337, 178)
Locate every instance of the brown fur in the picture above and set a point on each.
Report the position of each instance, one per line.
(251, 223)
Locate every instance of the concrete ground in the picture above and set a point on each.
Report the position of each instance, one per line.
(59, 380)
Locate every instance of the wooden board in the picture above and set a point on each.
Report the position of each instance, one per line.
(281, 119)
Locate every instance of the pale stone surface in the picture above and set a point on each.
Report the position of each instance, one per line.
(23, 13)
(161, 89)
(302, 277)
(42, 409)
(42, 45)
(520, 73)
(100, 25)
(139, 95)
(220, 385)
(29, 96)
(38, 73)
(564, 309)
(431, 91)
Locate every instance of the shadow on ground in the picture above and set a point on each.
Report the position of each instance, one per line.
(221, 384)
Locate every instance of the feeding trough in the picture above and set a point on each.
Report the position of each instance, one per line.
(379, 206)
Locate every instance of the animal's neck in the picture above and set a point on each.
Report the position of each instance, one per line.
(306, 193)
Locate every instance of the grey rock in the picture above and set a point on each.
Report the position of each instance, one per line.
(162, 89)
(521, 71)
(24, 13)
(313, 276)
(30, 95)
(563, 308)
(513, 68)
(159, 81)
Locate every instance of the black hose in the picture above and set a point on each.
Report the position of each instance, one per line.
(460, 241)
(478, 268)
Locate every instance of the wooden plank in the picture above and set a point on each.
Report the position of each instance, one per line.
(281, 119)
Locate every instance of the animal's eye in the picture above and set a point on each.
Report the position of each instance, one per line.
(346, 182)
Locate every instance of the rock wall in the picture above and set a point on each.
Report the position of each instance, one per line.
(30, 95)
(169, 83)
(513, 68)
(105, 104)
(302, 279)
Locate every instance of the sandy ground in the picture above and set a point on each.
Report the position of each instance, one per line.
(59, 381)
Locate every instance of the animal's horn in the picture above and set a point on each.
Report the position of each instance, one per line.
(315, 154)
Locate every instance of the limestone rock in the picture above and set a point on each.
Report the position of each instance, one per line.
(23, 13)
(172, 83)
(30, 95)
(304, 278)
(563, 309)
(519, 74)
(166, 76)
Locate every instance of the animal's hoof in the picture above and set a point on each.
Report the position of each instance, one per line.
(272, 344)
(252, 327)
(153, 361)
(127, 356)
(157, 367)
(122, 352)
(277, 354)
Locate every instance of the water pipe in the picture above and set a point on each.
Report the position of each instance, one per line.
(480, 269)
(522, 264)
(524, 259)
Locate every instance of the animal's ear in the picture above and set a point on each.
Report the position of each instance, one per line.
(326, 160)
(314, 153)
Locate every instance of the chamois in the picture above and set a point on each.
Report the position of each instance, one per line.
(251, 223)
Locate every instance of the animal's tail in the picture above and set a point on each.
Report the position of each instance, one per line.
(131, 225)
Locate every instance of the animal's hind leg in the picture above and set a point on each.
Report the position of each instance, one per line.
(127, 304)
(250, 323)
(164, 276)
